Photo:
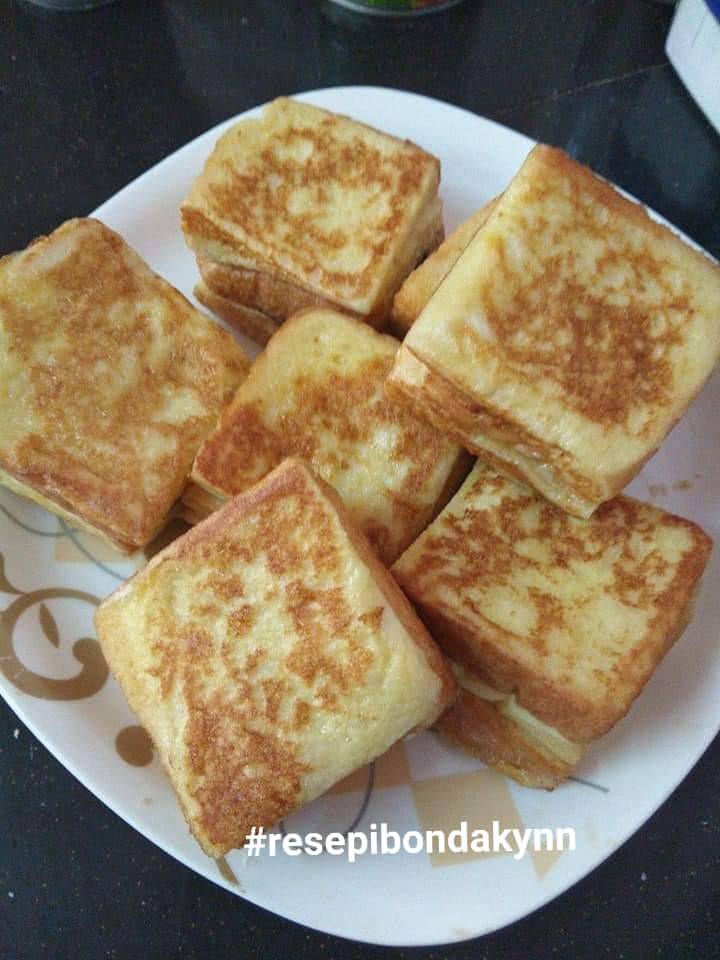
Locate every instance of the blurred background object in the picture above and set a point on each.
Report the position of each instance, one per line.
(693, 48)
(396, 8)
(70, 6)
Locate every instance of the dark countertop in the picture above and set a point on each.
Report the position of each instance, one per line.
(88, 102)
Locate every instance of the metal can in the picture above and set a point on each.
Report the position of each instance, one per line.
(396, 8)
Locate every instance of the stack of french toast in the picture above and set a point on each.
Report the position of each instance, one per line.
(408, 510)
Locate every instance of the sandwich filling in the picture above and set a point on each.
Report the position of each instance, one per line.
(540, 734)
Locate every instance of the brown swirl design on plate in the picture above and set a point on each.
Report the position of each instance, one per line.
(86, 650)
(5, 585)
(134, 746)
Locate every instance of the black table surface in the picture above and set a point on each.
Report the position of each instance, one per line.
(90, 100)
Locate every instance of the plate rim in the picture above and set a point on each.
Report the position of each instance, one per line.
(545, 894)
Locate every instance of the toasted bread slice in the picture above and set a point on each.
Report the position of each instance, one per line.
(269, 654)
(110, 380)
(413, 295)
(318, 200)
(568, 338)
(252, 323)
(317, 392)
(570, 616)
(256, 303)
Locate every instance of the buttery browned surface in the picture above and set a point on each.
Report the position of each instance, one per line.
(570, 615)
(570, 336)
(318, 200)
(317, 392)
(616, 330)
(110, 380)
(269, 654)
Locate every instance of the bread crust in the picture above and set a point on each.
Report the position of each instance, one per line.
(266, 292)
(254, 324)
(478, 727)
(580, 712)
(422, 283)
(117, 379)
(238, 294)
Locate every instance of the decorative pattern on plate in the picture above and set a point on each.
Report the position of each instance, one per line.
(421, 783)
(86, 650)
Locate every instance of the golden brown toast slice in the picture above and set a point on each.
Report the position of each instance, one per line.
(318, 200)
(269, 654)
(569, 337)
(568, 616)
(413, 295)
(317, 391)
(109, 382)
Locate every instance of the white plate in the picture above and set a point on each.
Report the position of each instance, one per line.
(404, 899)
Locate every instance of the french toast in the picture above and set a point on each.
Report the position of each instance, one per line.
(110, 380)
(553, 622)
(413, 295)
(268, 653)
(569, 337)
(311, 204)
(317, 391)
